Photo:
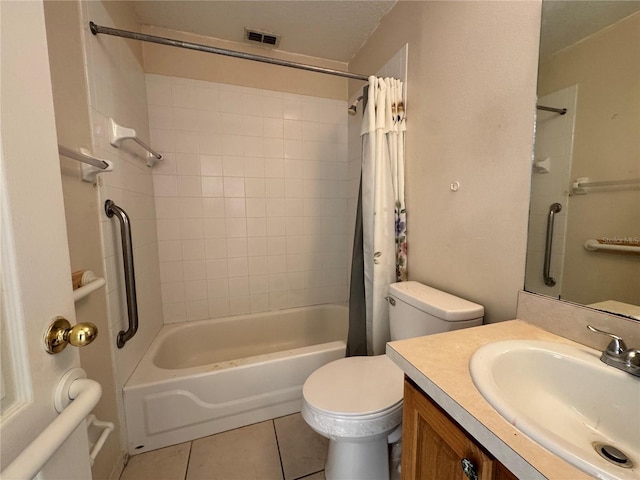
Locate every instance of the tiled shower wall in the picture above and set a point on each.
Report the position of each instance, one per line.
(251, 198)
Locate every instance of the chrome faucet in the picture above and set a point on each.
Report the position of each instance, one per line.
(618, 355)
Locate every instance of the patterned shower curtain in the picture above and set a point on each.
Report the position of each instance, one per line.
(383, 209)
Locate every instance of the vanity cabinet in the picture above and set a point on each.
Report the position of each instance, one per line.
(434, 446)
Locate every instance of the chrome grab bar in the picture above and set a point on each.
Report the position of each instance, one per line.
(112, 209)
(553, 209)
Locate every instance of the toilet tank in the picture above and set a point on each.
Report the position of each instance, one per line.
(416, 310)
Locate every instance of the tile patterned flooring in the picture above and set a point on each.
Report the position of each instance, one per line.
(281, 449)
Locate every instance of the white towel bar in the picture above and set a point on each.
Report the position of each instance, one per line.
(107, 428)
(85, 395)
(593, 245)
(91, 166)
(85, 290)
(582, 183)
(118, 133)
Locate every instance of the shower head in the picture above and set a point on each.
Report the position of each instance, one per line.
(353, 108)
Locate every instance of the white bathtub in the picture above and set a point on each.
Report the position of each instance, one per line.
(201, 378)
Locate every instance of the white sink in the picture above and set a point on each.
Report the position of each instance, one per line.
(564, 398)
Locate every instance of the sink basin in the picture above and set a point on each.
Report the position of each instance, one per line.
(564, 398)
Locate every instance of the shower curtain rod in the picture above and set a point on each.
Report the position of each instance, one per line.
(561, 111)
(95, 29)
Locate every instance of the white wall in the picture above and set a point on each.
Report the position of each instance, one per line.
(117, 89)
(470, 113)
(251, 198)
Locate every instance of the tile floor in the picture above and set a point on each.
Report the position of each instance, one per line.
(281, 449)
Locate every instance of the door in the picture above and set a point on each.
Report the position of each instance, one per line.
(35, 271)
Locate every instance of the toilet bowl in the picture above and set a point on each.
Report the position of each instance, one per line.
(356, 402)
(358, 413)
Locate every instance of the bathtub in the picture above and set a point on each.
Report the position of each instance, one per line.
(205, 377)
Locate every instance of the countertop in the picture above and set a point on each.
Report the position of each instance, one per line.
(439, 365)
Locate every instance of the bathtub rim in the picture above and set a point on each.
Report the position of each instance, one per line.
(148, 373)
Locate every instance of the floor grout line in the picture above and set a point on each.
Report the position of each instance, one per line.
(308, 475)
(186, 470)
(275, 432)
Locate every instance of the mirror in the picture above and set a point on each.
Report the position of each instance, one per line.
(585, 190)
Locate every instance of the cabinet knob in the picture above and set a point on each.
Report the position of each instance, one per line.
(469, 469)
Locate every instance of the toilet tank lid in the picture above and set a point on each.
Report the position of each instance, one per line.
(436, 302)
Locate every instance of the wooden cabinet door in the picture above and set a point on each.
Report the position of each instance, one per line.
(433, 445)
(501, 472)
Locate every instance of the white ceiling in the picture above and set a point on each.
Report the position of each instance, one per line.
(327, 29)
(336, 29)
(567, 22)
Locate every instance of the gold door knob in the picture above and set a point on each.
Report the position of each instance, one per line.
(60, 333)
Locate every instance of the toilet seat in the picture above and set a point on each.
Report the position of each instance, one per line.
(355, 386)
(354, 397)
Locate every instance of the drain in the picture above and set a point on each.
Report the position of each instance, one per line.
(613, 455)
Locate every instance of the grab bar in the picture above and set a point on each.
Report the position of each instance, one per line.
(85, 395)
(553, 209)
(129, 275)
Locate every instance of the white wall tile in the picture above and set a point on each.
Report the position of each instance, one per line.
(212, 186)
(184, 96)
(236, 247)
(165, 185)
(247, 198)
(190, 207)
(191, 229)
(256, 227)
(215, 248)
(218, 288)
(197, 309)
(256, 247)
(209, 122)
(217, 268)
(258, 284)
(235, 207)
(194, 270)
(239, 305)
(211, 165)
(254, 167)
(213, 208)
(273, 128)
(233, 187)
(239, 286)
(187, 164)
(218, 307)
(236, 227)
(189, 186)
(259, 303)
(233, 166)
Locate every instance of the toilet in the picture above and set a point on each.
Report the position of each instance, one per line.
(356, 402)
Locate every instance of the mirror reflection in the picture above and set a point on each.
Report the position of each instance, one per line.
(584, 223)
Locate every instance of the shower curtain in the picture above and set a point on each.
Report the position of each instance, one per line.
(383, 211)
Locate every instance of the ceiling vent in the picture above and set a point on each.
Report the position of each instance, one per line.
(265, 39)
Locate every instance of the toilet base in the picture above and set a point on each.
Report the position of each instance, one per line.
(358, 460)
